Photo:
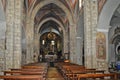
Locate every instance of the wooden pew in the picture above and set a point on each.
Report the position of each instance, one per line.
(33, 67)
(66, 69)
(69, 71)
(32, 70)
(72, 73)
(22, 77)
(101, 76)
(23, 73)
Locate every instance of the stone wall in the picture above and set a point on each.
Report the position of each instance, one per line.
(2, 52)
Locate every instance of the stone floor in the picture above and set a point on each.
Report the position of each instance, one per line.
(53, 74)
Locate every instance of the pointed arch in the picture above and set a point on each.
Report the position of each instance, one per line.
(62, 27)
(48, 19)
(107, 13)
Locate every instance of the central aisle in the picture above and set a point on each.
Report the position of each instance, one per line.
(53, 74)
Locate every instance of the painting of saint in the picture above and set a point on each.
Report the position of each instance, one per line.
(101, 45)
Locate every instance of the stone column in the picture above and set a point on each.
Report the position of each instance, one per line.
(65, 42)
(30, 39)
(27, 41)
(13, 34)
(17, 33)
(9, 33)
(90, 24)
(94, 21)
(36, 43)
(72, 43)
(79, 49)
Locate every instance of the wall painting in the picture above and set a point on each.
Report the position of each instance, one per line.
(101, 45)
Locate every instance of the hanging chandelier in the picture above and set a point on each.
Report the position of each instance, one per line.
(51, 35)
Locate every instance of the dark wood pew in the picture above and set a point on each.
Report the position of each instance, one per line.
(24, 73)
(32, 71)
(36, 70)
(69, 70)
(22, 77)
(72, 73)
(101, 76)
(33, 67)
(40, 71)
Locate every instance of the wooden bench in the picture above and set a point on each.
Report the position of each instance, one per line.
(101, 76)
(69, 71)
(22, 77)
(23, 73)
(29, 69)
(33, 67)
(32, 70)
(72, 73)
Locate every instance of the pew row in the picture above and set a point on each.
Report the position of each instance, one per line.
(28, 69)
(94, 76)
(22, 77)
(24, 73)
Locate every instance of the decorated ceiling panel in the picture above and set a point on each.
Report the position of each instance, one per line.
(50, 10)
(68, 3)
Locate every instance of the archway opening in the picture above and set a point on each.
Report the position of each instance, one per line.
(51, 41)
(51, 44)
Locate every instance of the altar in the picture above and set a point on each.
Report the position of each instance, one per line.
(51, 58)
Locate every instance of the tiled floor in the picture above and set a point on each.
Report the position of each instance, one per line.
(53, 74)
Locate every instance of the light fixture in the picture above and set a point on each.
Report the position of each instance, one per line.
(53, 42)
(43, 42)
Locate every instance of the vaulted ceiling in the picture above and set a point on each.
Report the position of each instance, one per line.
(48, 11)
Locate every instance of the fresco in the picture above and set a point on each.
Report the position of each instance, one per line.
(101, 46)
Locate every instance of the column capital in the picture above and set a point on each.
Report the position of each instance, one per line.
(102, 30)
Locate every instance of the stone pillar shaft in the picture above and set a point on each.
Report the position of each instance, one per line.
(87, 36)
(72, 43)
(13, 34)
(9, 33)
(90, 25)
(65, 42)
(30, 40)
(17, 33)
(94, 21)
